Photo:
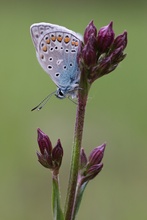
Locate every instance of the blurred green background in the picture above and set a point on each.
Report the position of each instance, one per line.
(116, 113)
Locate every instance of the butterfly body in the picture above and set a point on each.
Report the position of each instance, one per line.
(57, 51)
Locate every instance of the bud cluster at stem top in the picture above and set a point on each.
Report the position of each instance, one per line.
(90, 167)
(101, 52)
(48, 156)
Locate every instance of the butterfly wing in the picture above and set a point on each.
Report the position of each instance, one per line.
(57, 49)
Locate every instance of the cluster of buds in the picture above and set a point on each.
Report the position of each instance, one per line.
(48, 156)
(101, 52)
(89, 168)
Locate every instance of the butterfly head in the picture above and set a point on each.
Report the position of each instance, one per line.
(60, 94)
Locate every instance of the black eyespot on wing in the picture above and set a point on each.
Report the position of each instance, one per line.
(57, 74)
(49, 67)
(50, 59)
(73, 51)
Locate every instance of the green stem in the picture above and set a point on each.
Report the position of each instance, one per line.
(82, 99)
(57, 211)
(78, 197)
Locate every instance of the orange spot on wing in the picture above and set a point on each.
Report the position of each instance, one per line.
(44, 48)
(73, 42)
(48, 41)
(59, 38)
(66, 39)
(76, 43)
(53, 38)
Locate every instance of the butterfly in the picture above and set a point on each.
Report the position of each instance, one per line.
(57, 50)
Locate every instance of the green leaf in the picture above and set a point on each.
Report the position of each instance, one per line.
(57, 211)
(79, 195)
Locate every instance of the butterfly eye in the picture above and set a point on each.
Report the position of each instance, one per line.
(60, 94)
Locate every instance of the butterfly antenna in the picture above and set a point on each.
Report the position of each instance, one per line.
(43, 102)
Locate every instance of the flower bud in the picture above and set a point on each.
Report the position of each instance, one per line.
(90, 29)
(44, 142)
(104, 66)
(92, 172)
(105, 38)
(57, 154)
(117, 55)
(83, 159)
(45, 160)
(89, 54)
(49, 157)
(96, 155)
(91, 168)
(120, 41)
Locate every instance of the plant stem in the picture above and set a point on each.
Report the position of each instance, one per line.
(78, 197)
(57, 211)
(82, 99)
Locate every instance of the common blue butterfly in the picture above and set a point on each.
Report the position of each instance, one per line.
(57, 51)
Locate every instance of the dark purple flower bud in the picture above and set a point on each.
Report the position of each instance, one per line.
(120, 41)
(105, 38)
(96, 155)
(45, 160)
(49, 157)
(111, 68)
(91, 173)
(104, 65)
(89, 54)
(117, 55)
(44, 142)
(100, 69)
(57, 154)
(94, 170)
(83, 159)
(90, 29)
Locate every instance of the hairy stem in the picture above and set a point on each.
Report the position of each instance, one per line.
(82, 99)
